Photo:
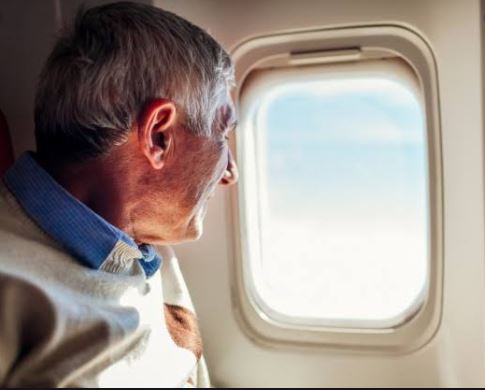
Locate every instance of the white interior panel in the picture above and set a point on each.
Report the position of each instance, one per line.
(455, 356)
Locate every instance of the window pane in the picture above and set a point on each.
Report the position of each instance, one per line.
(343, 187)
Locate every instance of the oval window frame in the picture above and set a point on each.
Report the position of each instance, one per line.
(340, 45)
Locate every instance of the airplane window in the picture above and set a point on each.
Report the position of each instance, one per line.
(341, 168)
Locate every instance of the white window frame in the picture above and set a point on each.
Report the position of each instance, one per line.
(364, 45)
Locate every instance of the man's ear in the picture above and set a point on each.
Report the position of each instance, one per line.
(155, 131)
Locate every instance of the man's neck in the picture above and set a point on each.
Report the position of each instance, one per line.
(96, 184)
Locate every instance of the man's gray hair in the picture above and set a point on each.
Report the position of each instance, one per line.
(113, 61)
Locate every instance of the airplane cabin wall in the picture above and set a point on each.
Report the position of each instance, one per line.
(27, 30)
(456, 355)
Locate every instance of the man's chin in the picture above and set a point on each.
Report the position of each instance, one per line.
(193, 232)
(195, 228)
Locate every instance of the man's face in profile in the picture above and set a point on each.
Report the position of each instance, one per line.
(209, 162)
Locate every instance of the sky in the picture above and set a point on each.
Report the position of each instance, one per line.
(343, 200)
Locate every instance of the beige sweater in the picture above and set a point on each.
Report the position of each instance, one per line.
(65, 325)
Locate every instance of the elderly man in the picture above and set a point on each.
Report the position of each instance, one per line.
(132, 116)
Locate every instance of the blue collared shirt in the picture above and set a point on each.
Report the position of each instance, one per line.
(85, 234)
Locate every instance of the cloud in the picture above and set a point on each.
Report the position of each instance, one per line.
(393, 91)
(351, 111)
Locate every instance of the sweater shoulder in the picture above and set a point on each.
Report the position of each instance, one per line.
(16, 225)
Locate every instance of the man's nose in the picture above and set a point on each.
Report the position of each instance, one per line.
(231, 174)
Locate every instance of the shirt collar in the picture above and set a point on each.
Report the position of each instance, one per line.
(85, 234)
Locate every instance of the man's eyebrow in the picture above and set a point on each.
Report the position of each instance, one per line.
(232, 118)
